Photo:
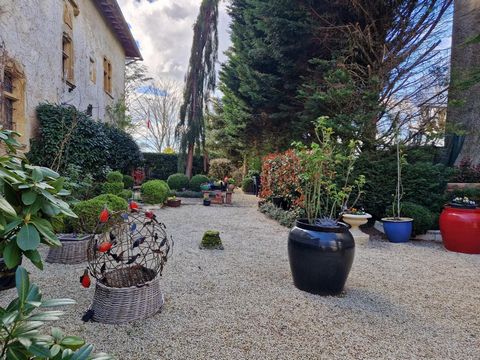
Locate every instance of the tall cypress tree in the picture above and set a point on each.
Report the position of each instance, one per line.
(199, 82)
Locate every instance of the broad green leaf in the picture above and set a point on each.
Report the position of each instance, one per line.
(54, 350)
(102, 356)
(83, 353)
(9, 318)
(57, 333)
(17, 353)
(35, 258)
(72, 342)
(34, 295)
(6, 207)
(11, 255)
(12, 225)
(58, 184)
(48, 172)
(47, 315)
(28, 237)
(37, 175)
(39, 350)
(57, 302)
(26, 328)
(23, 284)
(29, 197)
(25, 341)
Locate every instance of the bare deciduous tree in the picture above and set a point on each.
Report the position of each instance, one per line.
(155, 113)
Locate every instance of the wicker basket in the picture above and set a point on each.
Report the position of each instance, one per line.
(72, 251)
(116, 305)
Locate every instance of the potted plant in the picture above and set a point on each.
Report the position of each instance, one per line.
(355, 218)
(172, 201)
(231, 184)
(320, 247)
(460, 226)
(397, 228)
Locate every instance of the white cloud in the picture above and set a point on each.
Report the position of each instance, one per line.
(164, 31)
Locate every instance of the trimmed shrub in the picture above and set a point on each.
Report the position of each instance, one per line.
(68, 136)
(177, 181)
(161, 166)
(219, 168)
(114, 177)
(423, 218)
(114, 188)
(126, 194)
(88, 211)
(155, 191)
(196, 181)
(247, 185)
(128, 181)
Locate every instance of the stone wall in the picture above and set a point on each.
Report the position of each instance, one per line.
(32, 31)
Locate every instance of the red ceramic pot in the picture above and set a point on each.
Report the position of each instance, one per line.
(460, 229)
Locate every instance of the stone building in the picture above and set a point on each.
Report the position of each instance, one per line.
(61, 51)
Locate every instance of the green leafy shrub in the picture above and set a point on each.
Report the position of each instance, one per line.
(196, 181)
(161, 166)
(465, 172)
(424, 183)
(219, 168)
(155, 191)
(211, 240)
(112, 188)
(29, 197)
(128, 181)
(247, 185)
(88, 211)
(79, 183)
(283, 217)
(22, 319)
(126, 194)
(177, 181)
(237, 175)
(68, 136)
(114, 177)
(423, 219)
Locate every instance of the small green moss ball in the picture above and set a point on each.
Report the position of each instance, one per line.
(211, 240)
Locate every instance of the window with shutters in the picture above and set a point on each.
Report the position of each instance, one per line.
(107, 75)
(12, 116)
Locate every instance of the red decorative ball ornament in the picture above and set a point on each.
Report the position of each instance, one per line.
(104, 246)
(104, 215)
(85, 279)
(133, 206)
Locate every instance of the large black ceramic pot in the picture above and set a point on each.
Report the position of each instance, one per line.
(320, 257)
(7, 276)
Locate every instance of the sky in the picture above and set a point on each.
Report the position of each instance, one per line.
(164, 32)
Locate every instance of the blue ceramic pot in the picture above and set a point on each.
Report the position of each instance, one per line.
(320, 257)
(398, 230)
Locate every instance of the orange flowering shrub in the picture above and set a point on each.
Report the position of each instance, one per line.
(280, 177)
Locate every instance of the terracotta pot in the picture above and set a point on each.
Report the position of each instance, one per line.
(460, 229)
(355, 221)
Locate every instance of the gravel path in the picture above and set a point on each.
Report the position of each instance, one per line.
(402, 301)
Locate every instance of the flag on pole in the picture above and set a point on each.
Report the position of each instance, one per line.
(149, 124)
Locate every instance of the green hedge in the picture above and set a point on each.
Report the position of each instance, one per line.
(161, 166)
(92, 145)
(247, 185)
(155, 192)
(424, 183)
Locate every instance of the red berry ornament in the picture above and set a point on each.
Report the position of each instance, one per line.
(104, 215)
(104, 246)
(133, 206)
(85, 279)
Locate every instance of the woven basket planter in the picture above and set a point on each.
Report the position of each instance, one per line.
(116, 305)
(72, 251)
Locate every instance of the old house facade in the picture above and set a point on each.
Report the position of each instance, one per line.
(61, 51)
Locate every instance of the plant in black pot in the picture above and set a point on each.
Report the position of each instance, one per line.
(320, 247)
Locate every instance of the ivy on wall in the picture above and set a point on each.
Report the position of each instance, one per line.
(68, 136)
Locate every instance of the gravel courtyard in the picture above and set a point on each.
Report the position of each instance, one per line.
(402, 301)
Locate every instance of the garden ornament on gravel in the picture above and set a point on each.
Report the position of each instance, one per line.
(126, 259)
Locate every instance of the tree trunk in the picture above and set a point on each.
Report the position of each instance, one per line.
(189, 167)
(464, 103)
(206, 161)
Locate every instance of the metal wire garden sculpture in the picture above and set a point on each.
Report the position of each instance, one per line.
(131, 249)
(126, 257)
